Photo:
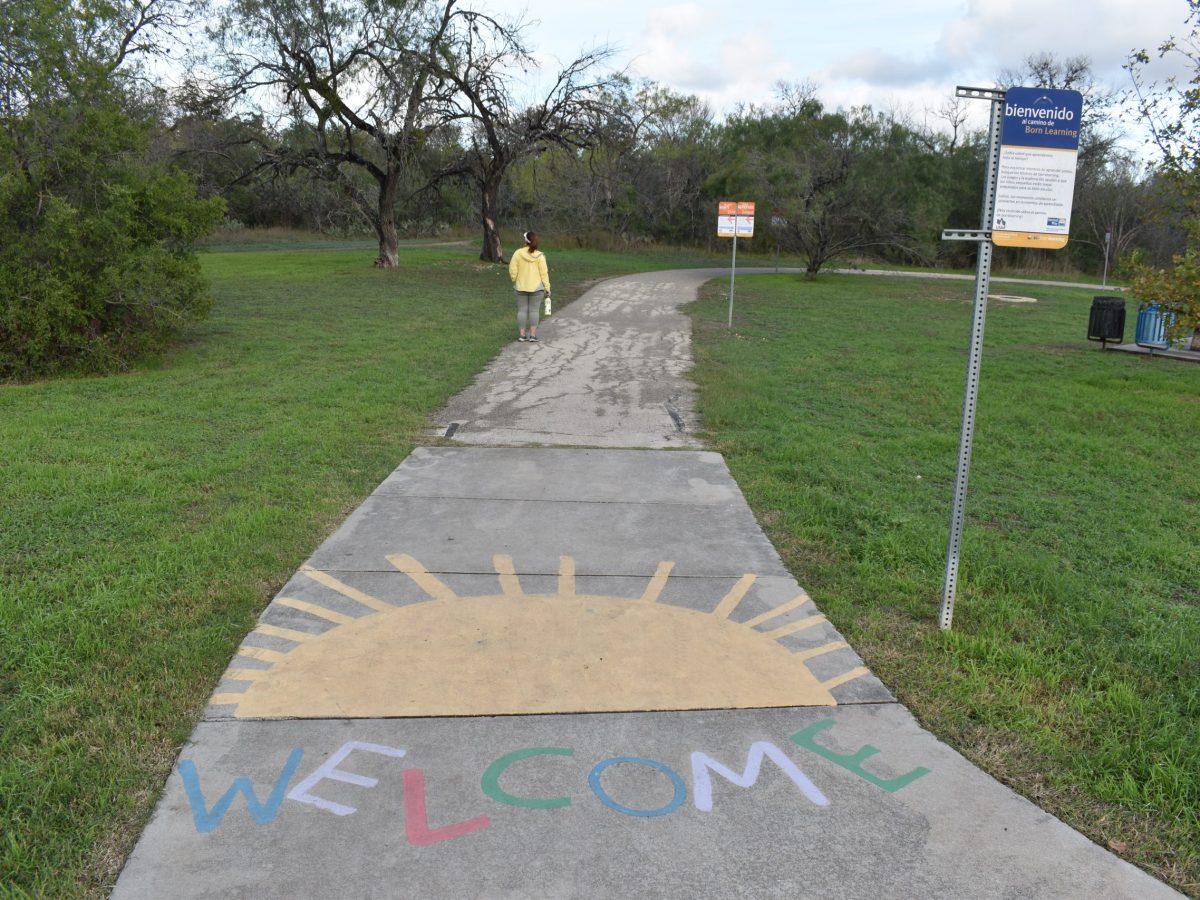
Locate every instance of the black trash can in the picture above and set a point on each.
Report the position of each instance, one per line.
(1106, 322)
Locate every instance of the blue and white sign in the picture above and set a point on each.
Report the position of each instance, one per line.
(1039, 146)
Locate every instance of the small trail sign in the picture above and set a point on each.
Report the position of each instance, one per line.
(735, 218)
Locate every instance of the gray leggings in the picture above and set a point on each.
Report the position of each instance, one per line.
(529, 307)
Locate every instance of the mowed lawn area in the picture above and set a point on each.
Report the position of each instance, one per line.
(147, 518)
(1072, 672)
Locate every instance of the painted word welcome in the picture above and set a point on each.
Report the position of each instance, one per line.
(416, 822)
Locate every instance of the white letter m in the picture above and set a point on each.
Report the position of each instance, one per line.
(702, 782)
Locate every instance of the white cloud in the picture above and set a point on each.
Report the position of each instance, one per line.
(680, 20)
(880, 68)
(667, 49)
(687, 49)
(909, 54)
(999, 34)
(751, 67)
(973, 43)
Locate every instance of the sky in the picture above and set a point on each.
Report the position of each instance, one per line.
(906, 56)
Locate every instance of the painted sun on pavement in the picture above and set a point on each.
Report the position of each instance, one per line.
(523, 653)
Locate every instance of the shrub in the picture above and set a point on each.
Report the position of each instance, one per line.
(96, 259)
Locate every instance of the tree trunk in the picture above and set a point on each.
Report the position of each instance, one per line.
(1196, 339)
(489, 195)
(817, 253)
(385, 226)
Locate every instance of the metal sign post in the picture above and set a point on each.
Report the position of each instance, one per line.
(1032, 148)
(777, 222)
(983, 273)
(734, 218)
(732, 272)
(1107, 242)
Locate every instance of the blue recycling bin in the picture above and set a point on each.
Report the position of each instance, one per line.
(1153, 322)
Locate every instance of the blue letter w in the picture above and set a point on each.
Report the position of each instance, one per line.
(262, 812)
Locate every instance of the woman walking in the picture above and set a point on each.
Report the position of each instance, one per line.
(531, 282)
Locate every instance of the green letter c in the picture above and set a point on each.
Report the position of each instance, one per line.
(491, 779)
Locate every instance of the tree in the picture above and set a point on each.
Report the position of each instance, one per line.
(363, 80)
(644, 176)
(958, 154)
(1113, 211)
(1175, 289)
(96, 260)
(841, 181)
(502, 132)
(675, 146)
(1171, 112)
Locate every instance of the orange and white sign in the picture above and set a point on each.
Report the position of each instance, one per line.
(735, 218)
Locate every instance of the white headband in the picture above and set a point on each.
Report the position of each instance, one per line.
(526, 236)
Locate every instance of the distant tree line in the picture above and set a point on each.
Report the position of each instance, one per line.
(414, 117)
(603, 160)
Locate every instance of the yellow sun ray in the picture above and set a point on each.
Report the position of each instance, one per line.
(844, 677)
(509, 582)
(814, 652)
(288, 634)
(658, 582)
(793, 627)
(429, 583)
(778, 611)
(730, 601)
(345, 590)
(245, 674)
(313, 610)
(566, 576)
(271, 656)
(221, 699)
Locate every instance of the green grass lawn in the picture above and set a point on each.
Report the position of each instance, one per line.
(1072, 671)
(147, 518)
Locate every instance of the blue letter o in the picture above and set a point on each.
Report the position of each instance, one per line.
(598, 790)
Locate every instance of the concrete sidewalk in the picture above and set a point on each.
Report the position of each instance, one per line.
(548, 672)
(609, 372)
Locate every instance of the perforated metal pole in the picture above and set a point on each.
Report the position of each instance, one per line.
(1107, 241)
(732, 272)
(983, 271)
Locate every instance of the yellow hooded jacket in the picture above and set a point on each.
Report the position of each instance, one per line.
(528, 271)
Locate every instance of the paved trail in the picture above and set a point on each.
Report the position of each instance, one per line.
(543, 672)
(608, 373)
